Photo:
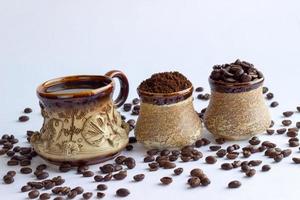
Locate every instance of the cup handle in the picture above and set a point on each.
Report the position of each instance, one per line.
(124, 86)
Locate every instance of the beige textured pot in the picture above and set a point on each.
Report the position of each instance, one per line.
(167, 120)
(236, 111)
(81, 126)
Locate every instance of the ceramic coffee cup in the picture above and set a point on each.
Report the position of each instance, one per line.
(81, 123)
(167, 120)
(237, 111)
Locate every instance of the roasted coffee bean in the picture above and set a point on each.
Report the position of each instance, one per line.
(10, 153)
(101, 187)
(26, 188)
(107, 168)
(11, 173)
(232, 156)
(98, 178)
(27, 110)
(87, 195)
(41, 167)
(270, 96)
(185, 158)
(129, 162)
(107, 177)
(294, 139)
(23, 118)
(278, 158)
(152, 152)
(281, 131)
(173, 158)
(269, 144)
(205, 141)
(120, 175)
(230, 149)
(251, 172)
(298, 124)
(65, 167)
(247, 154)
(139, 177)
(129, 147)
(100, 195)
(197, 172)
(72, 194)
(221, 153)
(199, 89)
(79, 190)
(234, 184)
(45, 196)
(265, 168)
(286, 122)
(49, 185)
(204, 97)
(236, 164)
(286, 153)
(265, 90)
(165, 152)
(26, 170)
(169, 165)
(293, 143)
(33, 194)
(42, 175)
(127, 107)
(82, 169)
(274, 104)
(122, 192)
(166, 180)
(149, 159)
(287, 113)
(194, 182)
(270, 131)
(205, 181)
(292, 134)
(58, 198)
(226, 166)
(254, 163)
(245, 168)
(210, 160)
(178, 171)
(8, 179)
(296, 160)
(88, 174)
(25, 162)
(132, 140)
(199, 143)
(215, 148)
(135, 101)
(12, 162)
(120, 160)
(272, 124)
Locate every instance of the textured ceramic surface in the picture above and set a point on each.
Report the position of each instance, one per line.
(238, 115)
(81, 128)
(168, 126)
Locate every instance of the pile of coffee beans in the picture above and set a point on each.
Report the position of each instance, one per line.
(236, 72)
(165, 82)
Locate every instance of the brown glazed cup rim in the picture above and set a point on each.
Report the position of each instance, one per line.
(254, 82)
(42, 88)
(172, 94)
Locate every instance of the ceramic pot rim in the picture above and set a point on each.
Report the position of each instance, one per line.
(224, 87)
(165, 98)
(42, 88)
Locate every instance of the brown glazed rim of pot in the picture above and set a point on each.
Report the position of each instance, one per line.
(165, 98)
(42, 88)
(225, 87)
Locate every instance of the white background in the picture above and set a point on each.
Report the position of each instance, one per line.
(40, 40)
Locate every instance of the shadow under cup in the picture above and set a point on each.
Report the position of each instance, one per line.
(81, 124)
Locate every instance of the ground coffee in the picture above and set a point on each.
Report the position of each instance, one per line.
(166, 82)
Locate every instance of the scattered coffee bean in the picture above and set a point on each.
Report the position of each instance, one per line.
(98, 178)
(26, 170)
(232, 156)
(194, 182)
(178, 171)
(11, 173)
(221, 153)
(270, 131)
(87, 195)
(45, 196)
(234, 184)
(139, 177)
(296, 160)
(65, 167)
(88, 174)
(129, 147)
(274, 104)
(33, 194)
(42, 175)
(265, 90)
(226, 166)
(204, 97)
(210, 160)
(135, 101)
(215, 148)
(287, 113)
(286, 122)
(166, 180)
(8, 179)
(120, 175)
(26, 188)
(101, 187)
(122, 192)
(292, 133)
(127, 107)
(23, 118)
(254, 163)
(100, 195)
(199, 89)
(265, 168)
(251, 172)
(281, 131)
(205, 181)
(129, 162)
(270, 96)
